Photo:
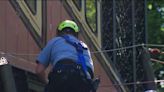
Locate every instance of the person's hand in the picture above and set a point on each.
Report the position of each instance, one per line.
(154, 51)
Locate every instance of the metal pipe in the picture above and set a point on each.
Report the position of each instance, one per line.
(134, 48)
(7, 78)
(148, 70)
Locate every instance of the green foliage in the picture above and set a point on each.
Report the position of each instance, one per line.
(156, 33)
(155, 22)
(91, 13)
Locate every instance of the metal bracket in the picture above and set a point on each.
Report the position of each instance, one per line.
(3, 61)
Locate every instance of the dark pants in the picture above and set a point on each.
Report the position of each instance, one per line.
(67, 78)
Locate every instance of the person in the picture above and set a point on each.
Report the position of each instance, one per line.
(71, 60)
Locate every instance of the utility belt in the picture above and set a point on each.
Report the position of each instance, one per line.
(69, 66)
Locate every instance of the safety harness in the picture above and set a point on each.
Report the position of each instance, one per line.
(79, 48)
(81, 60)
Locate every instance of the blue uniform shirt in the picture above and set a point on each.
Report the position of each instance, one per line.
(58, 49)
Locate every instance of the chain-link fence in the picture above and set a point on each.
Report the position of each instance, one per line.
(123, 25)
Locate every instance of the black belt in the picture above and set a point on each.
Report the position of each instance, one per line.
(69, 63)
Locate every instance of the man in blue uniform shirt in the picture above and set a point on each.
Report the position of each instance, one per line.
(71, 60)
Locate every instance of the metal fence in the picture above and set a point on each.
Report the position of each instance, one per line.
(124, 25)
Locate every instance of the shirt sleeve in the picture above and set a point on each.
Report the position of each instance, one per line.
(45, 55)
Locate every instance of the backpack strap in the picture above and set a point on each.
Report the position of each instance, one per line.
(79, 48)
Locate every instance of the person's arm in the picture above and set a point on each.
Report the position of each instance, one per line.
(40, 72)
(43, 60)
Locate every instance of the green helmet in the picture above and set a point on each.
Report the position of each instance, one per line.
(68, 24)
